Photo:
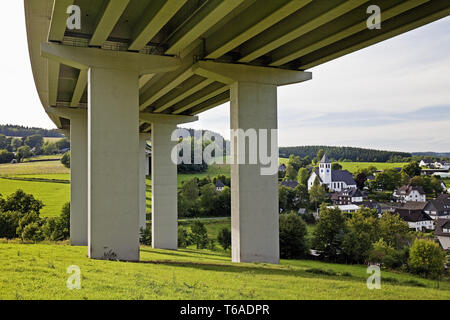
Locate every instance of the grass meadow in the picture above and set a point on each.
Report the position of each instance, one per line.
(39, 271)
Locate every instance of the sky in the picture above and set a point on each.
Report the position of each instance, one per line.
(394, 95)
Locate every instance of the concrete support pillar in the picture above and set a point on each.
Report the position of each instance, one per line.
(78, 181)
(164, 188)
(254, 197)
(143, 168)
(113, 164)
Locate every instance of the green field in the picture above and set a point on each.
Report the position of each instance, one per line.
(355, 166)
(39, 271)
(40, 176)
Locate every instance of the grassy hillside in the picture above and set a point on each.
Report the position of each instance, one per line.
(40, 272)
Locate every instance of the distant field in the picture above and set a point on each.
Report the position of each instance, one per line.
(51, 157)
(45, 167)
(40, 272)
(355, 166)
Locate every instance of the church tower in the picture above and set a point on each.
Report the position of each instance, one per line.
(325, 170)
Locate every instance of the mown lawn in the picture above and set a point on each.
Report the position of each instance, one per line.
(39, 271)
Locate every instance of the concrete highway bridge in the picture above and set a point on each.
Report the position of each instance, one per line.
(134, 69)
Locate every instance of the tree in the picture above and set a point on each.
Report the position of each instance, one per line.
(6, 156)
(291, 173)
(412, 169)
(183, 238)
(329, 233)
(23, 152)
(65, 159)
(394, 230)
(199, 234)
(62, 144)
(34, 141)
(362, 232)
(16, 143)
(317, 193)
(293, 233)
(3, 142)
(320, 154)
(49, 148)
(427, 258)
(207, 199)
(32, 232)
(336, 166)
(21, 202)
(224, 238)
(145, 236)
(387, 180)
(303, 176)
(360, 180)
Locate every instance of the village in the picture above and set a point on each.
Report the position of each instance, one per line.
(420, 196)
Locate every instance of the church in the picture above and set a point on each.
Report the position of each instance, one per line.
(335, 180)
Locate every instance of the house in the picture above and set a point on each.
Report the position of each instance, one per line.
(335, 180)
(442, 233)
(219, 185)
(419, 221)
(348, 208)
(442, 165)
(347, 196)
(426, 163)
(282, 168)
(439, 208)
(413, 213)
(289, 183)
(410, 193)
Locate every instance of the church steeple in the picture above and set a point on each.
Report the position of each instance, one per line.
(325, 169)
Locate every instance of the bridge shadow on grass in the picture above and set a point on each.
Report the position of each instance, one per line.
(263, 270)
(189, 253)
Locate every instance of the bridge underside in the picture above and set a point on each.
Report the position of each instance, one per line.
(137, 68)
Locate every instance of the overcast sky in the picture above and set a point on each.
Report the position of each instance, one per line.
(394, 95)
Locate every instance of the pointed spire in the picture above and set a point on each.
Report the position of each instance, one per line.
(324, 159)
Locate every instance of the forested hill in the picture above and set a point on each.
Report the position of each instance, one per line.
(343, 153)
(21, 131)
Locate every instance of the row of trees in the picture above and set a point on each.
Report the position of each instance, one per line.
(20, 218)
(21, 148)
(21, 131)
(344, 153)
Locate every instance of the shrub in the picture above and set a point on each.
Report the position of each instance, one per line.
(146, 236)
(9, 221)
(292, 236)
(427, 258)
(30, 218)
(308, 217)
(65, 159)
(211, 244)
(224, 238)
(32, 232)
(199, 234)
(58, 229)
(183, 238)
(6, 156)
